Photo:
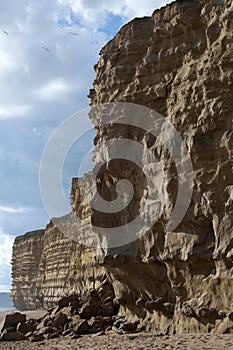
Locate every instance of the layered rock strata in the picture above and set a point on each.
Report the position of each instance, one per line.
(177, 62)
(47, 265)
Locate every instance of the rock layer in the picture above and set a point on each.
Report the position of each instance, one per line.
(47, 265)
(177, 62)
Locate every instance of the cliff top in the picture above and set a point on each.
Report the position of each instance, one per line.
(35, 234)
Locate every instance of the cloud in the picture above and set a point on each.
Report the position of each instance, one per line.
(13, 112)
(138, 8)
(54, 89)
(6, 243)
(95, 14)
(11, 210)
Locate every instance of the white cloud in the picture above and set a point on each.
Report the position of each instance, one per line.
(54, 89)
(13, 112)
(6, 243)
(95, 13)
(6, 61)
(12, 210)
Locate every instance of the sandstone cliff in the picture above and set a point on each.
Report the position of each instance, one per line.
(46, 265)
(179, 63)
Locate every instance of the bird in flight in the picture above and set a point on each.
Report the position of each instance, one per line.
(45, 48)
(73, 33)
(4, 31)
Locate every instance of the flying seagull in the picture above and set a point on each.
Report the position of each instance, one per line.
(5, 32)
(45, 48)
(73, 33)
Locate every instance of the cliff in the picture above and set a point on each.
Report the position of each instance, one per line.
(47, 265)
(179, 281)
(177, 62)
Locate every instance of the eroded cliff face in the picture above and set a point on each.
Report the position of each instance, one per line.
(47, 265)
(25, 262)
(177, 62)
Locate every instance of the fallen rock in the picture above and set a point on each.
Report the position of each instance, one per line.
(98, 324)
(12, 336)
(72, 300)
(46, 330)
(90, 308)
(26, 328)
(79, 326)
(37, 338)
(60, 320)
(46, 321)
(109, 309)
(129, 327)
(12, 320)
(68, 311)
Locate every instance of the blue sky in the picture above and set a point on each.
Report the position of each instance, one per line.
(40, 89)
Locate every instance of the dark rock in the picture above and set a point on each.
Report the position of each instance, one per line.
(46, 321)
(12, 320)
(129, 327)
(97, 324)
(202, 312)
(60, 320)
(169, 307)
(109, 309)
(53, 335)
(12, 336)
(80, 326)
(37, 337)
(9, 330)
(68, 311)
(90, 308)
(140, 301)
(26, 327)
(72, 300)
(46, 330)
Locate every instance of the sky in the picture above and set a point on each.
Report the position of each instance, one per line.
(45, 76)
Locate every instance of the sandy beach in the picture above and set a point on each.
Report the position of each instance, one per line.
(118, 342)
(114, 341)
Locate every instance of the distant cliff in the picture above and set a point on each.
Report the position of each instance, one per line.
(178, 62)
(46, 265)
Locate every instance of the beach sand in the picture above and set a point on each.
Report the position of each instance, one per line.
(114, 341)
(132, 342)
